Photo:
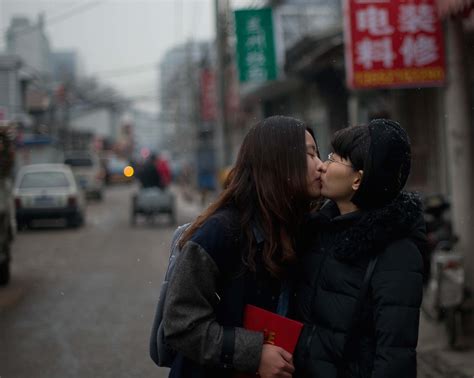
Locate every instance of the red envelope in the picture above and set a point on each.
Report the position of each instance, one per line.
(277, 329)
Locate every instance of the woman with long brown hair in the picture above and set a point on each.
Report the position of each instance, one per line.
(240, 251)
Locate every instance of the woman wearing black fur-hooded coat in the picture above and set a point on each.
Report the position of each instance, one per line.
(367, 215)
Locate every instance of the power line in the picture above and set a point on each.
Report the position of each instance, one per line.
(72, 12)
(66, 8)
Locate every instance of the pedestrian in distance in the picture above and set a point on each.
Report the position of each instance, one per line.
(163, 168)
(240, 251)
(150, 176)
(368, 234)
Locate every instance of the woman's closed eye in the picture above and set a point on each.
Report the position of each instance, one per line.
(311, 151)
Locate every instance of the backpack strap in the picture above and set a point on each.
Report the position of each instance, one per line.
(160, 353)
(354, 330)
(227, 354)
(228, 342)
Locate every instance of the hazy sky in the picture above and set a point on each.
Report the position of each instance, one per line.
(118, 34)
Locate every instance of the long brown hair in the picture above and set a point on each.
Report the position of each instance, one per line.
(269, 183)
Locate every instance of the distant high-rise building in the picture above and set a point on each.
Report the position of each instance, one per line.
(66, 65)
(29, 41)
(178, 89)
(145, 131)
(186, 82)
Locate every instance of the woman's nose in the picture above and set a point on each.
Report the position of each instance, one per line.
(323, 167)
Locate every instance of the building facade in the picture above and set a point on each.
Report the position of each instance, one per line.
(29, 41)
(11, 99)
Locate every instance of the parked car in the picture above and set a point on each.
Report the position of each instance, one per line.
(48, 191)
(89, 173)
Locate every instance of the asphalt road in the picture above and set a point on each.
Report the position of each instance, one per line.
(81, 301)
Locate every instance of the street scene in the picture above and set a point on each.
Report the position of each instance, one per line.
(121, 120)
(81, 302)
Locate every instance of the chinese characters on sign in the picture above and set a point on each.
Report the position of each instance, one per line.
(255, 46)
(208, 96)
(393, 43)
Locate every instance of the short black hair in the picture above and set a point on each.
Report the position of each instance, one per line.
(352, 143)
(382, 150)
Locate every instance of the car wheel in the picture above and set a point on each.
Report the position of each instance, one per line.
(5, 271)
(71, 222)
(75, 221)
(172, 216)
(81, 220)
(172, 213)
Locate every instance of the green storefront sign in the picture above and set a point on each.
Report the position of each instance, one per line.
(255, 45)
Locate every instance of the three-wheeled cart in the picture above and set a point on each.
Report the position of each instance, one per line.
(149, 202)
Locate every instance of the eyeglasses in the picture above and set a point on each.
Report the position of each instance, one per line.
(332, 160)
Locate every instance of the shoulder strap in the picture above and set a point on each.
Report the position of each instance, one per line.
(228, 342)
(354, 330)
(227, 354)
(160, 353)
(177, 235)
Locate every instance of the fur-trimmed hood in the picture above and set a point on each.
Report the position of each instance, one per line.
(369, 232)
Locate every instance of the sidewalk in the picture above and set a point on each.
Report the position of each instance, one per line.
(436, 359)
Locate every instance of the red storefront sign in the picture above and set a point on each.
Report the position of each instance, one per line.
(393, 43)
(208, 96)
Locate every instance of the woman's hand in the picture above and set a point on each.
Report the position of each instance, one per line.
(275, 362)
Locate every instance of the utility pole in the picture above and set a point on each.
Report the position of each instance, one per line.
(458, 140)
(223, 137)
(191, 110)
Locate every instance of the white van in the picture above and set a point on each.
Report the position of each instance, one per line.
(88, 171)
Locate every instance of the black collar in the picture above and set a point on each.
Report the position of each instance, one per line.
(368, 232)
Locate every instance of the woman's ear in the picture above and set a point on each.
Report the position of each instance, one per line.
(357, 180)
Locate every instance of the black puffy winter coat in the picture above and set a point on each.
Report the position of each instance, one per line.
(338, 249)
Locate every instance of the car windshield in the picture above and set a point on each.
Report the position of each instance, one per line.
(79, 162)
(44, 180)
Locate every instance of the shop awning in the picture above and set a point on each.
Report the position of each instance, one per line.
(269, 90)
(314, 53)
(451, 7)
